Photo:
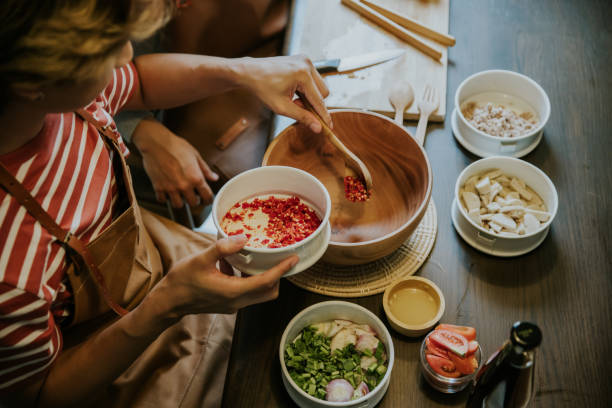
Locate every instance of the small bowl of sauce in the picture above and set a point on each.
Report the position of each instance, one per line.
(413, 305)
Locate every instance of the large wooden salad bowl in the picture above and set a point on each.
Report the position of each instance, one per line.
(401, 176)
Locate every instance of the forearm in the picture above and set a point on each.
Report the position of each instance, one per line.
(128, 121)
(170, 80)
(80, 372)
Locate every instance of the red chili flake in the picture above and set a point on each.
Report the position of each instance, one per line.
(237, 232)
(233, 216)
(289, 220)
(354, 189)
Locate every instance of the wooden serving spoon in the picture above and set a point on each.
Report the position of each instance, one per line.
(401, 97)
(351, 160)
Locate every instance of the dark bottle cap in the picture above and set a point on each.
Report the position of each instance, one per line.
(526, 335)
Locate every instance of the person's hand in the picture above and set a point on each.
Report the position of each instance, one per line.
(275, 81)
(195, 285)
(176, 169)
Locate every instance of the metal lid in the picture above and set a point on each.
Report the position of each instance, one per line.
(526, 335)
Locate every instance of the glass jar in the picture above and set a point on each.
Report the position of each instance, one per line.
(446, 384)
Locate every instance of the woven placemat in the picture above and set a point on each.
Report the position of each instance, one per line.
(374, 277)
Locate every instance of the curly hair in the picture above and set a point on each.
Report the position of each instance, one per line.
(48, 42)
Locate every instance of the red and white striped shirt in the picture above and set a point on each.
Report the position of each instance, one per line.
(68, 170)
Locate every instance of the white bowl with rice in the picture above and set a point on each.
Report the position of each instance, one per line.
(509, 237)
(499, 113)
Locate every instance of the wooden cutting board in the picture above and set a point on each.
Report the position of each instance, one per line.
(325, 29)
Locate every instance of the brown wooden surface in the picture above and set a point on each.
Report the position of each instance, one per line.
(564, 285)
(327, 29)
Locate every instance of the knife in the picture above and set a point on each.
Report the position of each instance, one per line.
(357, 61)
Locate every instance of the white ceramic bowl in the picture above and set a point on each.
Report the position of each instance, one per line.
(512, 85)
(325, 311)
(280, 180)
(488, 242)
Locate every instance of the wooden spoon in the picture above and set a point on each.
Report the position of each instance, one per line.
(401, 98)
(351, 160)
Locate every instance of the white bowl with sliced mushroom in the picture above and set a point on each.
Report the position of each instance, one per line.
(351, 336)
(504, 206)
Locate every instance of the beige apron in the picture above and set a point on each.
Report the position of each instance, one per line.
(186, 365)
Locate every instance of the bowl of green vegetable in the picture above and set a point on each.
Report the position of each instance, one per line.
(336, 354)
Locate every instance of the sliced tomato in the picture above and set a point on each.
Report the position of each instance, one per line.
(472, 347)
(474, 362)
(464, 365)
(466, 331)
(442, 366)
(433, 348)
(450, 340)
(454, 374)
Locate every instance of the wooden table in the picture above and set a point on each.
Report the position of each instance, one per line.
(564, 285)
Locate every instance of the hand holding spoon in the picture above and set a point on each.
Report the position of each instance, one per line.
(350, 158)
(401, 97)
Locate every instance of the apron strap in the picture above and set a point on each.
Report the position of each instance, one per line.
(75, 248)
(110, 140)
(23, 196)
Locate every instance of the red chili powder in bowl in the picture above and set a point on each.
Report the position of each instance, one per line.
(354, 189)
(271, 221)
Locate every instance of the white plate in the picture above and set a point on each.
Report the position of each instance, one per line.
(464, 231)
(482, 153)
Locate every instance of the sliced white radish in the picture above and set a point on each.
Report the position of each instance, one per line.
(531, 223)
(365, 328)
(540, 215)
(494, 207)
(327, 329)
(506, 222)
(367, 342)
(495, 227)
(343, 338)
(496, 188)
(367, 361)
(471, 200)
(484, 186)
(475, 216)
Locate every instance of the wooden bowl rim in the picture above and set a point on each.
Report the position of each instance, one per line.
(418, 213)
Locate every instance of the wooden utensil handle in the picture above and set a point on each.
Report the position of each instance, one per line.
(326, 130)
(308, 106)
(349, 157)
(412, 24)
(392, 27)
